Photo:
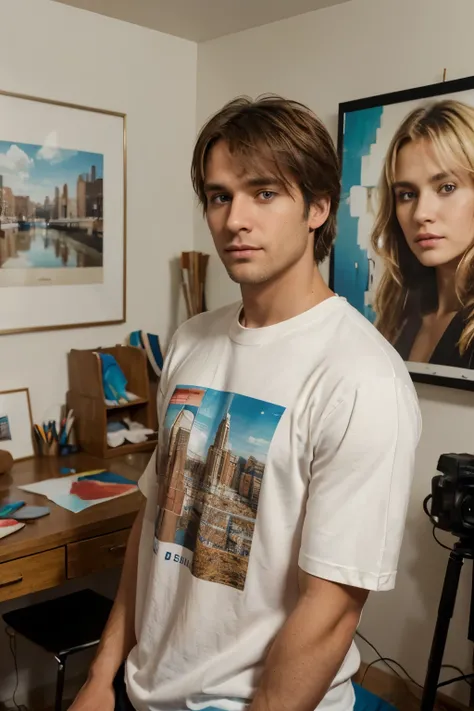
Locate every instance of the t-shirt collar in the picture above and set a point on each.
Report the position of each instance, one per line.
(265, 334)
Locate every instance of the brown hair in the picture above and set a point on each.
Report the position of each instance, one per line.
(286, 137)
(406, 285)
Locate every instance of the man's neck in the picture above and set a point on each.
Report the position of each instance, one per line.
(273, 302)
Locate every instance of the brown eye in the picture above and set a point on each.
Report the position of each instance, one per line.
(405, 195)
(218, 199)
(448, 188)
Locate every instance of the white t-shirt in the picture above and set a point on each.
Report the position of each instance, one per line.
(284, 446)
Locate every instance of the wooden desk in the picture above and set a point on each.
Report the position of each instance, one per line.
(64, 545)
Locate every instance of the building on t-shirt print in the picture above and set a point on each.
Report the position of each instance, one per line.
(210, 472)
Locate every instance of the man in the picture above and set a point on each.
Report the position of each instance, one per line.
(277, 498)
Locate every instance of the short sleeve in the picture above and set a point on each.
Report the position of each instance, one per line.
(149, 475)
(360, 484)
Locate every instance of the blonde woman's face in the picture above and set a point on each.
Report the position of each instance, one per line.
(434, 207)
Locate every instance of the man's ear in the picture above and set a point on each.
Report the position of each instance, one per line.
(319, 213)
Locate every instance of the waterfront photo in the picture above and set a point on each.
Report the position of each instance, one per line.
(51, 215)
(62, 215)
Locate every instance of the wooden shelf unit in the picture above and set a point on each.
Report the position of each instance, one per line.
(86, 397)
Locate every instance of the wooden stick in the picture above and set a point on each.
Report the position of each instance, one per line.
(185, 287)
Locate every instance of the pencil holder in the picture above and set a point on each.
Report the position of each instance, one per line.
(48, 449)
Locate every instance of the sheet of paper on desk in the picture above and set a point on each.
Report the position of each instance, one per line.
(9, 525)
(80, 491)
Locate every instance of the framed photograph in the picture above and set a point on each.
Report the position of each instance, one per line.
(16, 424)
(62, 215)
(393, 275)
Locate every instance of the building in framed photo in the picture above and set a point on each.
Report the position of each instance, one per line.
(62, 215)
(404, 246)
(51, 204)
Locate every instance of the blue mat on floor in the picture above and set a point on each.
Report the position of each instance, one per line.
(364, 701)
(367, 701)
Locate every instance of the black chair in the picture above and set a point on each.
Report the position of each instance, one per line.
(63, 626)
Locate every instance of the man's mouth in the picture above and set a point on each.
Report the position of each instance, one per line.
(242, 250)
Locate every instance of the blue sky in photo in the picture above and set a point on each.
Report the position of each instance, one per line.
(252, 423)
(34, 170)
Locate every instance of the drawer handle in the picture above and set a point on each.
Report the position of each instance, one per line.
(119, 547)
(12, 582)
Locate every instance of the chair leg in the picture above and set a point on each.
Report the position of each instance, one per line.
(60, 683)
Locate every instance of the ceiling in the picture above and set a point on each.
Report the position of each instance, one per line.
(201, 20)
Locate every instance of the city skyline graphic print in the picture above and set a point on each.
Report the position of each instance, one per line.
(210, 474)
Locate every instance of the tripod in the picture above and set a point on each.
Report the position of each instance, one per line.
(464, 548)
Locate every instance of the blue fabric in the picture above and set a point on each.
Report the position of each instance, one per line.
(113, 379)
(367, 701)
(150, 342)
(364, 701)
(154, 342)
(135, 339)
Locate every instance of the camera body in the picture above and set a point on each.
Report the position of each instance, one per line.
(452, 495)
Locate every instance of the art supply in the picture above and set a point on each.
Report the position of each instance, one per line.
(80, 491)
(193, 279)
(31, 512)
(125, 430)
(150, 343)
(8, 510)
(67, 470)
(8, 526)
(52, 437)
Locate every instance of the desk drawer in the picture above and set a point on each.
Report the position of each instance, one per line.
(96, 554)
(32, 573)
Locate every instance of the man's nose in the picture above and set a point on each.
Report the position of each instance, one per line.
(240, 214)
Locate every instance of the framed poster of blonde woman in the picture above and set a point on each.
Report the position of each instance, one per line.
(404, 253)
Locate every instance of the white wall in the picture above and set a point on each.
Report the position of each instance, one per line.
(54, 51)
(353, 50)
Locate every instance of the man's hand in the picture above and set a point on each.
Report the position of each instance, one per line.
(94, 697)
(311, 646)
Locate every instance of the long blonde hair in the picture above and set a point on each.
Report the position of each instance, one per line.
(406, 285)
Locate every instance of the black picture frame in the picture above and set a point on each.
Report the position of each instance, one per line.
(353, 113)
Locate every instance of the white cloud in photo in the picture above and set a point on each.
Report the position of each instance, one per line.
(51, 152)
(15, 166)
(15, 161)
(258, 442)
(199, 439)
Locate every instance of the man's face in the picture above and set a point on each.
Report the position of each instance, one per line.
(259, 229)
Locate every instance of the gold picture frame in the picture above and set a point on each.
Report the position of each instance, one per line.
(63, 215)
(16, 424)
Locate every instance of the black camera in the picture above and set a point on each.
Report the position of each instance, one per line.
(452, 509)
(452, 495)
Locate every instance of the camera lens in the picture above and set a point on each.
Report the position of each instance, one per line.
(467, 509)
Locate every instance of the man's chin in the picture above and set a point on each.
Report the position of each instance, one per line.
(245, 277)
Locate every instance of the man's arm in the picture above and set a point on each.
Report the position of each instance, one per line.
(365, 453)
(311, 646)
(118, 637)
